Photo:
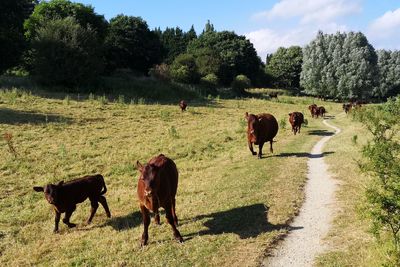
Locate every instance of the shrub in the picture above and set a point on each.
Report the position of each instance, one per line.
(66, 54)
(240, 83)
(210, 83)
(160, 72)
(184, 69)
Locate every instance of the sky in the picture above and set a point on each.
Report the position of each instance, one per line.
(268, 24)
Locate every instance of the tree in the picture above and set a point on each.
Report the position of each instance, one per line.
(130, 44)
(65, 53)
(12, 42)
(184, 69)
(240, 83)
(389, 74)
(236, 53)
(285, 67)
(59, 9)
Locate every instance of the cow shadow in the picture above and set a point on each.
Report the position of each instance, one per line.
(247, 222)
(304, 155)
(320, 133)
(125, 222)
(14, 117)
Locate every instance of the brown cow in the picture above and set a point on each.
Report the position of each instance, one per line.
(296, 119)
(321, 111)
(65, 196)
(313, 109)
(183, 105)
(347, 107)
(157, 186)
(261, 128)
(273, 95)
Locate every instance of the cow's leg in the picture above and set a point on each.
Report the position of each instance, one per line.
(56, 221)
(103, 202)
(174, 213)
(146, 222)
(299, 128)
(251, 148)
(94, 203)
(270, 146)
(157, 217)
(68, 214)
(170, 219)
(260, 146)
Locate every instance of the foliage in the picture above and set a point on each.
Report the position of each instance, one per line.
(12, 43)
(341, 65)
(285, 67)
(389, 74)
(184, 69)
(130, 44)
(59, 9)
(240, 83)
(210, 82)
(207, 61)
(66, 54)
(160, 72)
(236, 53)
(383, 164)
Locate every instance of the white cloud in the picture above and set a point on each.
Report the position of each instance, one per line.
(385, 26)
(311, 10)
(267, 40)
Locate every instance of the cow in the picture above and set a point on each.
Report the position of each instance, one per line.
(65, 195)
(183, 105)
(321, 111)
(261, 128)
(157, 186)
(313, 110)
(273, 95)
(296, 119)
(347, 107)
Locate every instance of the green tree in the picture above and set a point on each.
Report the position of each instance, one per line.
(184, 69)
(130, 44)
(12, 42)
(240, 83)
(59, 9)
(285, 67)
(389, 74)
(65, 53)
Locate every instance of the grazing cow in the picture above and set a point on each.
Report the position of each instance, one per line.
(157, 186)
(347, 107)
(321, 111)
(183, 105)
(313, 110)
(65, 196)
(273, 95)
(296, 119)
(261, 128)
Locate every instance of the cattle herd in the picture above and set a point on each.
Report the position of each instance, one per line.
(158, 179)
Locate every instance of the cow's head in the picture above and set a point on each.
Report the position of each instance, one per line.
(293, 116)
(253, 123)
(149, 175)
(51, 191)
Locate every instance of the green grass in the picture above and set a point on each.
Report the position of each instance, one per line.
(222, 195)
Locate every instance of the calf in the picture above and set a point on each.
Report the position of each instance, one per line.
(65, 196)
(347, 107)
(157, 186)
(183, 105)
(296, 119)
(313, 110)
(273, 95)
(321, 111)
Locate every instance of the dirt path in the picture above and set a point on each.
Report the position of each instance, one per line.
(304, 242)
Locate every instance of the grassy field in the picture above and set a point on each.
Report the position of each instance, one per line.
(351, 243)
(231, 206)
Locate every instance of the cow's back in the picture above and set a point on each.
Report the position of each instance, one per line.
(77, 190)
(168, 176)
(268, 127)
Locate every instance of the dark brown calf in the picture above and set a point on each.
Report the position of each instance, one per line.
(157, 186)
(273, 95)
(65, 196)
(296, 119)
(261, 128)
(321, 111)
(313, 110)
(183, 105)
(347, 107)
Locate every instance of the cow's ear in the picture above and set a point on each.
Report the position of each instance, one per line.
(246, 115)
(139, 166)
(60, 183)
(290, 114)
(38, 188)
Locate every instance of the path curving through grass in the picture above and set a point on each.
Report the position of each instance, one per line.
(305, 239)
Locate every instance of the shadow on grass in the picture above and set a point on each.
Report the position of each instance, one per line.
(12, 117)
(304, 155)
(247, 222)
(126, 222)
(321, 133)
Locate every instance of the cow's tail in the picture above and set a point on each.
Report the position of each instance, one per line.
(104, 186)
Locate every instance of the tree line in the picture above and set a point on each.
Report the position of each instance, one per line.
(65, 43)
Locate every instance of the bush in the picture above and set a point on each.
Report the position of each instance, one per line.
(184, 69)
(160, 72)
(210, 83)
(240, 83)
(66, 54)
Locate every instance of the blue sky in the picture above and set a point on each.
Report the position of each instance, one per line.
(269, 23)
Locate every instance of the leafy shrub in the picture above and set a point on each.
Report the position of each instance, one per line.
(66, 54)
(184, 69)
(160, 72)
(240, 83)
(210, 83)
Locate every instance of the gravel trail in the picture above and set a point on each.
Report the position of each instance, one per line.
(305, 241)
